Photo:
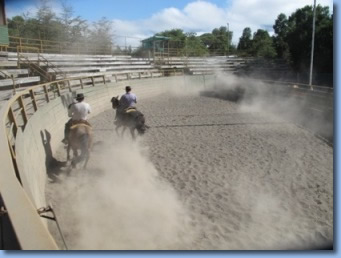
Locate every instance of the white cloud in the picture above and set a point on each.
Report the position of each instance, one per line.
(203, 16)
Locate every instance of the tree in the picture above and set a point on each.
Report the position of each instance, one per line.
(100, 35)
(46, 18)
(281, 31)
(262, 45)
(194, 45)
(73, 29)
(299, 36)
(16, 26)
(245, 41)
(221, 41)
(177, 38)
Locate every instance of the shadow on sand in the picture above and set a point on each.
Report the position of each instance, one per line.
(53, 166)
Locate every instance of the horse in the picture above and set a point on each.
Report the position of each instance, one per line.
(131, 118)
(80, 138)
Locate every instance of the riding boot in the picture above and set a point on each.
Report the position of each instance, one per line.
(67, 131)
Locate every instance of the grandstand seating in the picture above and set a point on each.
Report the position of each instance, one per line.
(24, 69)
(205, 65)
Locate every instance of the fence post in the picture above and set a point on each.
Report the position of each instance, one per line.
(58, 89)
(69, 85)
(23, 110)
(14, 85)
(11, 117)
(46, 93)
(20, 44)
(34, 102)
(81, 81)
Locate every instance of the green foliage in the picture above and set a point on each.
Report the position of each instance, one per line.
(194, 46)
(46, 25)
(218, 42)
(262, 45)
(100, 35)
(280, 43)
(245, 41)
(293, 39)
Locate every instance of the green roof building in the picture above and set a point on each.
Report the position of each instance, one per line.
(4, 41)
(156, 43)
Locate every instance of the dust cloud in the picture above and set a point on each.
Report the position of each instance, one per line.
(120, 203)
(307, 109)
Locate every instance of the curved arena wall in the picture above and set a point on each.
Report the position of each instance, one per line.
(35, 145)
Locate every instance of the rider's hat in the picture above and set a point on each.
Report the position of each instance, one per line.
(80, 96)
(128, 88)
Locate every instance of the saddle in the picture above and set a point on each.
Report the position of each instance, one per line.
(75, 123)
(129, 109)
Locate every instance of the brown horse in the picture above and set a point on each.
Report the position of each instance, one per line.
(80, 138)
(130, 118)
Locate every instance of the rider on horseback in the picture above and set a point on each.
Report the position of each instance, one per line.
(78, 111)
(127, 101)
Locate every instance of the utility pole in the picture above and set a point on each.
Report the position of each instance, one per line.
(312, 48)
(228, 38)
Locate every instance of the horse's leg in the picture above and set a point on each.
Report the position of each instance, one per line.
(116, 129)
(124, 129)
(74, 158)
(86, 151)
(75, 152)
(87, 157)
(68, 151)
(132, 131)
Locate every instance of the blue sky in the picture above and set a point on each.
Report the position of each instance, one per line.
(134, 20)
(93, 10)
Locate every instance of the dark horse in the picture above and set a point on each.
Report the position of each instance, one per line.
(80, 138)
(131, 118)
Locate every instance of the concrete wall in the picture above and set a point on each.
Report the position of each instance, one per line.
(43, 133)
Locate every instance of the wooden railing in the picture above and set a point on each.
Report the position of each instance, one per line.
(14, 117)
(58, 47)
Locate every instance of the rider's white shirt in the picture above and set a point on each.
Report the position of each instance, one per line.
(79, 111)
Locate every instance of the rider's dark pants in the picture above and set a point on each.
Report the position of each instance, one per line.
(67, 127)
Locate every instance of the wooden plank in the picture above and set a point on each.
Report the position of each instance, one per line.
(16, 71)
(9, 82)
(8, 64)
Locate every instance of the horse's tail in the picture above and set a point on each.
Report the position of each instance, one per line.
(84, 145)
(141, 123)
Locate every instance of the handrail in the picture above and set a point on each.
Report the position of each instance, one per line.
(19, 206)
(302, 86)
(31, 64)
(50, 65)
(50, 46)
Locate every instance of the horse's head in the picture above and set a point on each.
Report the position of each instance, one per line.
(115, 102)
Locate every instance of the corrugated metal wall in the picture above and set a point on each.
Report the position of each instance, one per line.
(4, 35)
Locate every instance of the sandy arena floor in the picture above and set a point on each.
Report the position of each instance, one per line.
(209, 174)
